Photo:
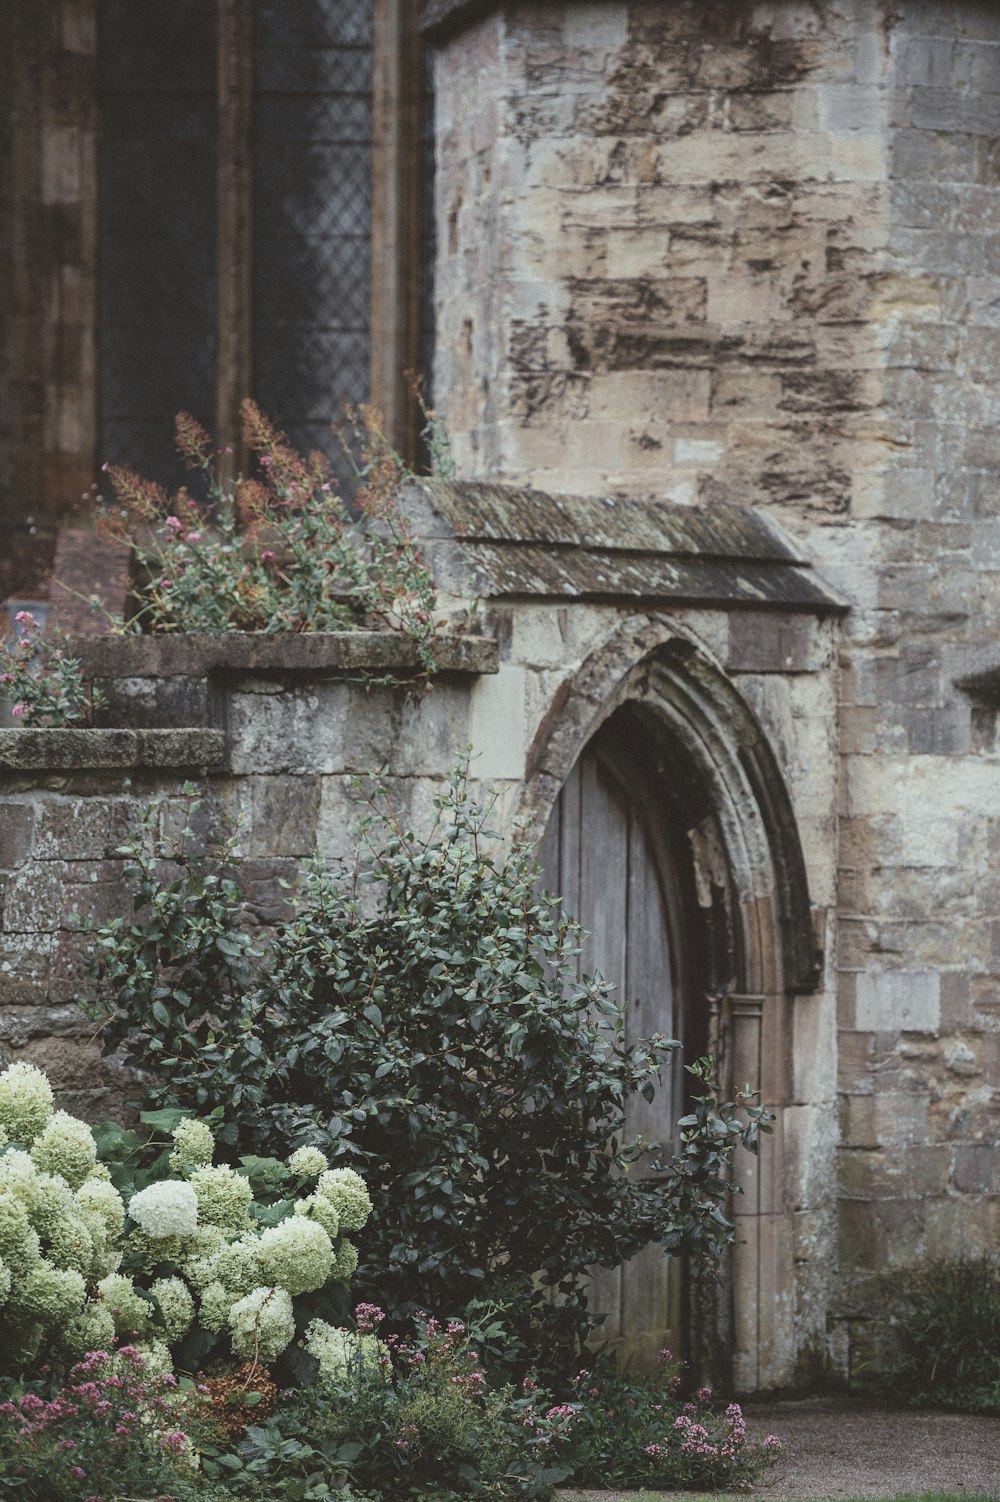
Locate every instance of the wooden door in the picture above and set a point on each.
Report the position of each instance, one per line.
(606, 854)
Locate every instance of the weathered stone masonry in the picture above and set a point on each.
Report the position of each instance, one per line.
(749, 253)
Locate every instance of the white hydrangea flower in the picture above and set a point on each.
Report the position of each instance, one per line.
(25, 1102)
(262, 1324)
(318, 1208)
(6, 1281)
(348, 1193)
(296, 1255)
(224, 1198)
(166, 1209)
(51, 1295)
(307, 1162)
(65, 1147)
(98, 1199)
(237, 1266)
(92, 1330)
(194, 1145)
(214, 1306)
(19, 1174)
(176, 1306)
(343, 1355)
(132, 1315)
(346, 1261)
(70, 1244)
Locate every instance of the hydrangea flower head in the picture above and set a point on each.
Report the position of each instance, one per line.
(318, 1208)
(194, 1145)
(91, 1330)
(165, 1209)
(348, 1193)
(214, 1306)
(342, 1354)
(131, 1313)
(70, 1244)
(66, 1147)
(99, 1200)
(307, 1162)
(51, 1295)
(296, 1255)
(224, 1198)
(25, 1102)
(262, 1324)
(176, 1306)
(346, 1262)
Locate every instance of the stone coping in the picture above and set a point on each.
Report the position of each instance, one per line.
(49, 749)
(319, 652)
(508, 542)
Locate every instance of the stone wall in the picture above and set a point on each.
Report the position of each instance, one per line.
(749, 252)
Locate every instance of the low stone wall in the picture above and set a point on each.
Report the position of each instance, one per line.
(271, 731)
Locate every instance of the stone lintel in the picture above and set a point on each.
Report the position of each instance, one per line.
(333, 652)
(51, 749)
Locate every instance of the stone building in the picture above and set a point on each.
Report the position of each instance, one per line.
(716, 330)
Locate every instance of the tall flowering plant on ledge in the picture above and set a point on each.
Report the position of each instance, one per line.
(277, 550)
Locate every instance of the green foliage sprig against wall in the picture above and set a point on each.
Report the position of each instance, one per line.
(437, 1037)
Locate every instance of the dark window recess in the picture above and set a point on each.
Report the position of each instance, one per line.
(157, 227)
(312, 169)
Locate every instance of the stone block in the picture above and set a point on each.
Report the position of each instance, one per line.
(898, 1000)
(976, 1168)
(293, 732)
(498, 729)
(17, 823)
(283, 816)
(760, 643)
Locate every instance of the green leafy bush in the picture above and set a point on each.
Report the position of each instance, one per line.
(949, 1334)
(438, 1039)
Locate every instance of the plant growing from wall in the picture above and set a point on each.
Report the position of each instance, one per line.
(437, 1038)
(278, 551)
(43, 681)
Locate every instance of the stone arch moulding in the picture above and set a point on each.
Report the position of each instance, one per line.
(766, 952)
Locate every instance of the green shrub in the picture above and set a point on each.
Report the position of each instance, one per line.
(949, 1334)
(437, 1039)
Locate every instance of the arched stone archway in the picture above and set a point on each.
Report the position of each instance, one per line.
(722, 793)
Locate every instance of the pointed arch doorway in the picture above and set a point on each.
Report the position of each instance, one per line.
(614, 855)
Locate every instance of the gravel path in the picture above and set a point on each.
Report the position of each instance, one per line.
(859, 1449)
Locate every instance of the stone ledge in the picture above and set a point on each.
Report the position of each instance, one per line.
(64, 749)
(333, 652)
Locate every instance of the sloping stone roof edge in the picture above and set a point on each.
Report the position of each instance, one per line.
(503, 541)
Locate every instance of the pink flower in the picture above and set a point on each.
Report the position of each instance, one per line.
(174, 524)
(266, 556)
(703, 1394)
(772, 1442)
(77, 1471)
(18, 710)
(194, 537)
(24, 618)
